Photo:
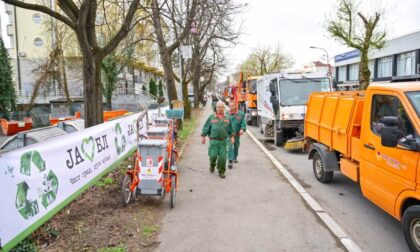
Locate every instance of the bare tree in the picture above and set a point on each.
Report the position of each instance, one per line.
(211, 66)
(215, 30)
(81, 17)
(172, 21)
(265, 59)
(359, 31)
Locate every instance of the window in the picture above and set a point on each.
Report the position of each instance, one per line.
(36, 18)
(387, 105)
(406, 63)
(354, 72)
(342, 72)
(385, 67)
(414, 97)
(38, 42)
(371, 66)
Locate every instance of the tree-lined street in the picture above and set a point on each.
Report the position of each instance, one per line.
(341, 77)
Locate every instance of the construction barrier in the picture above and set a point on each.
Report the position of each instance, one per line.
(38, 180)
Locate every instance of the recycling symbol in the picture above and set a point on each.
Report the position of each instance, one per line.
(88, 148)
(30, 192)
(119, 139)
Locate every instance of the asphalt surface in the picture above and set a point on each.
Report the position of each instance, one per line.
(253, 209)
(370, 227)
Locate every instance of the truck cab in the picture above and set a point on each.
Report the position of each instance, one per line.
(282, 102)
(390, 145)
(249, 89)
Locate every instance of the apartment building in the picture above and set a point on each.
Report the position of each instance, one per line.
(32, 38)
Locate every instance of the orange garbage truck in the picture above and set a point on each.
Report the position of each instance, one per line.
(249, 99)
(373, 138)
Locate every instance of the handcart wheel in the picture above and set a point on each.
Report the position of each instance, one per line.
(173, 191)
(126, 194)
(162, 193)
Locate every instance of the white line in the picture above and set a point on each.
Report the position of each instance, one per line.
(347, 242)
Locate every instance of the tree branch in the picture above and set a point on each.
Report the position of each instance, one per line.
(43, 9)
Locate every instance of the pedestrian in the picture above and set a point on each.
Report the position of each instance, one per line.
(237, 119)
(219, 129)
(214, 100)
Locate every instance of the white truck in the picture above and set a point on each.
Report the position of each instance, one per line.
(281, 102)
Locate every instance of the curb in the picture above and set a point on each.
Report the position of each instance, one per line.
(332, 225)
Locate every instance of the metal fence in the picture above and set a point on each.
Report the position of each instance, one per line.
(39, 114)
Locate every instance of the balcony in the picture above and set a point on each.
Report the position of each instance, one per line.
(24, 97)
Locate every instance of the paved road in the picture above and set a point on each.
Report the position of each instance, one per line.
(253, 209)
(369, 226)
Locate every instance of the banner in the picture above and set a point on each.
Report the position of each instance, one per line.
(40, 179)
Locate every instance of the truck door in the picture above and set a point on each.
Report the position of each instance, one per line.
(386, 171)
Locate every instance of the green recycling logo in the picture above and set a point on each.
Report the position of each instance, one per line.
(27, 195)
(88, 148)
(119, 139)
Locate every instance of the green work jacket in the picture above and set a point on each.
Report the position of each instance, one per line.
(217, 128)
(238, 121)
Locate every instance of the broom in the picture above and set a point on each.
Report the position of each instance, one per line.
(295, 144)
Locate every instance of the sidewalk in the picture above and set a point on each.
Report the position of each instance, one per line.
(253, 209)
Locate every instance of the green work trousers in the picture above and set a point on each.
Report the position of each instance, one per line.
(233, 149)
(217, 154)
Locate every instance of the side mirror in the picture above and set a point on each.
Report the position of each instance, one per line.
(390, 121)
(390, 133)
(275, 102)
(388, 137)
(243, 84)
(273, 86)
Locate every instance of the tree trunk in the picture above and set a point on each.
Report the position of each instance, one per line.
(92, 90)
(187, 105)
(196, 81)
(169, 77)
(109, 101)
(62, 70)
(364, 72)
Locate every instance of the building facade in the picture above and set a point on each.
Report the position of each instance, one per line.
(399, 60)
(32, 38)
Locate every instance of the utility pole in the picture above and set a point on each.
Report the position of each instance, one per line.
(328, 62)
(17, 49)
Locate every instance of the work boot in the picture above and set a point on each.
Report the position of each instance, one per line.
(235, 160)
(230, 165)
(211, 169)
(222, 175)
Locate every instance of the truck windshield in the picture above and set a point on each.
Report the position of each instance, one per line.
(414, 98)
(296, 92)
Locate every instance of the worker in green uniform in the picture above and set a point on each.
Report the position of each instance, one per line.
(219, 129)
(237, 119)
(214, 100)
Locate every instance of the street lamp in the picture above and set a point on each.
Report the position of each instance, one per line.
(328, 62)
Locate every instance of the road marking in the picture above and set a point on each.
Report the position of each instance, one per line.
(333, 226)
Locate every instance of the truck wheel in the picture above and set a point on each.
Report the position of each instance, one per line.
(319, 169)
(249, 122)
(278, 138)
(411, 227)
